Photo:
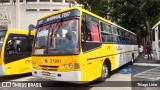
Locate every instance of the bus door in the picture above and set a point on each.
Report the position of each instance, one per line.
(17, 54)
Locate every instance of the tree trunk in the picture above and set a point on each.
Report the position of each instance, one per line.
(149, 30)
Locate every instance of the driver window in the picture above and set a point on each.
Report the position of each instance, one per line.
(93, 34)
(90, 33)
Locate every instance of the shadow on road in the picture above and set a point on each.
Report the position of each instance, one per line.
(12, 77)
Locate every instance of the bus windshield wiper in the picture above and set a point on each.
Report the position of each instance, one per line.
(55, 27)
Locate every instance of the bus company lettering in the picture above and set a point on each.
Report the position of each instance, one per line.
(54, 18)
(118, 48)
(55, 60)
(40, 22)
(65, 14)
(59, 16)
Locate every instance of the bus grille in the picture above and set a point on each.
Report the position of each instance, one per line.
(51, 68)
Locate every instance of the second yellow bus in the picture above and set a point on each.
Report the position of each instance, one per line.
(15, 51)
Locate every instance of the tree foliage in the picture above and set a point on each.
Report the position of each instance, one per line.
(135, 15)
(99, 7)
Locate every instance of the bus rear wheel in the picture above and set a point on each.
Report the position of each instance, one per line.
(104, 72)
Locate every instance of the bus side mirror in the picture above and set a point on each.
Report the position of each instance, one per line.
(31, 27)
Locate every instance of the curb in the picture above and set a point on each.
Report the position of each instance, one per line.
(146, 64)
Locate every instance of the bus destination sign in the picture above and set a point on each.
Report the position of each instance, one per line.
(71, 13)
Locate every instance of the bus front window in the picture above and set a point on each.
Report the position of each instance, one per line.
(2, 35)
(62, 39)
(41, 40)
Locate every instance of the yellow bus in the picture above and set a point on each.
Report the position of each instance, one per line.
(15, 51)
(77, 45)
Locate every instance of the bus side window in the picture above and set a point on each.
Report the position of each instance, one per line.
(90, 33)
(106, 33)
(93, 35)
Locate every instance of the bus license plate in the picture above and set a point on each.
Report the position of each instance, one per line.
(45, 73)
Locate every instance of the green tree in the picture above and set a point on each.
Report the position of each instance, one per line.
(99, 7)
(135, 15)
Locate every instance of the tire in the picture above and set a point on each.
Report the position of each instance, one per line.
(104, 72)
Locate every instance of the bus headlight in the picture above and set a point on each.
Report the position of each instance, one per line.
(65, 66)
(70, 65)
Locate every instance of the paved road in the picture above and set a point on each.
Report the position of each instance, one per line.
(110, 84)
(148, 78)
(117, 79)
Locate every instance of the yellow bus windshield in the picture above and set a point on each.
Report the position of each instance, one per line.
(57, 38)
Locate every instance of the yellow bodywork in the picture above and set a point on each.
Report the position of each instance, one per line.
(17, 66)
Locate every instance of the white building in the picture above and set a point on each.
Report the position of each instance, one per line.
(21, 13)
(156, 40)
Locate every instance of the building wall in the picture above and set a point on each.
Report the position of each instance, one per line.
(8, 10)
(29, 13)
(31, 17)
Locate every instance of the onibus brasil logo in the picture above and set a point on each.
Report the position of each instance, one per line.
(19, 84)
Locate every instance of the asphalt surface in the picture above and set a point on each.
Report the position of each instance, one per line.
(117, 80)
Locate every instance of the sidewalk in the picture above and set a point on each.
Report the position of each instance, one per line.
(144, 62)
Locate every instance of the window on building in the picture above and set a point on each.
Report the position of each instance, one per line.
(4, 1)
(44, 0)
(57, 0)
(153, 35)
(55, 9)
(44, 9)
(67, 1)
(31, 9)
(31, 1)
(158, 27)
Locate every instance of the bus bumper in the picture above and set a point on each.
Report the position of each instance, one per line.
(2, 73)
(72, 76)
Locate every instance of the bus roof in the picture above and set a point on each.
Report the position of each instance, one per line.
(21, 31)
(156, 25)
